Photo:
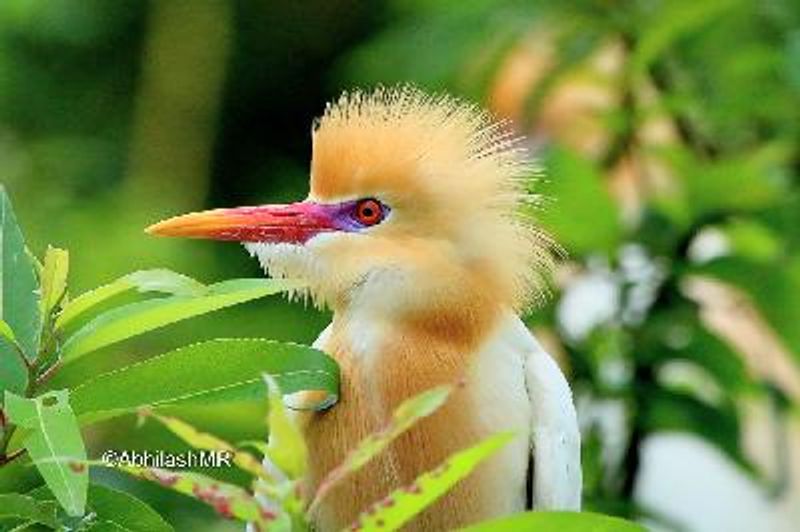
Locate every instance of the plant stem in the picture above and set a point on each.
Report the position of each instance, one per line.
(8, 458)
(8, 431)
(48, 374)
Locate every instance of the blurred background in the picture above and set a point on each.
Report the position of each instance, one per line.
(669, 132)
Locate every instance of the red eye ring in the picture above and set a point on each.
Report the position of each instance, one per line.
(369, 211)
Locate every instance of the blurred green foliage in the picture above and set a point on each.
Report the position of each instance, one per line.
(663, 127)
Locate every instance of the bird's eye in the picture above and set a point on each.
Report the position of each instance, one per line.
(369, 212)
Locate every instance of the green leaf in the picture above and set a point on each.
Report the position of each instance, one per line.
(286, 447)
(557, 522)
(205, 372)
(203, 440)
(228, 500)
(580, 212)
(54, 279)
(115, 510)
(137, 318)
(125, 511)
(144, 281)
(19, 300)
(404, 504)
(14, 505)
(404, 417)
(54, 444)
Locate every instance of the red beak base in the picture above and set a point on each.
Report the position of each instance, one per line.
(295, 223)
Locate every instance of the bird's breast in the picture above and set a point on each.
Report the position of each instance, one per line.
(383, 365)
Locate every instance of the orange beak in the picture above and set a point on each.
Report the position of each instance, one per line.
(293, 223)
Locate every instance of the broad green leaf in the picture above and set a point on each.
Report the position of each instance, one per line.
(205, 372)
(19, 299)
(404, 504)
(539, 521)
(137, 318)
(286, 447)
(579, 211)
(144, 281)
(229, 500)
(115, 510)
(54, 279)
(13, 373)
(14, 505)
(124, 511)
(54, 443)
(404, 417)
(204, 440)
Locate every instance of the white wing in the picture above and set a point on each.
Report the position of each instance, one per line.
(555, 437)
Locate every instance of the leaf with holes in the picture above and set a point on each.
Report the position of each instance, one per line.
(114, 510)
(404, 504)
(203, 440)
(229, 500)
(54, 444)
(404, 417)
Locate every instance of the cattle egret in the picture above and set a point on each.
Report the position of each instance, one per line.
(416, 233)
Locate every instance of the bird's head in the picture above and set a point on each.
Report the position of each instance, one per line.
(415, 202)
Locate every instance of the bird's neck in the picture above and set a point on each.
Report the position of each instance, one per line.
(386, 359)
(432, 343)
